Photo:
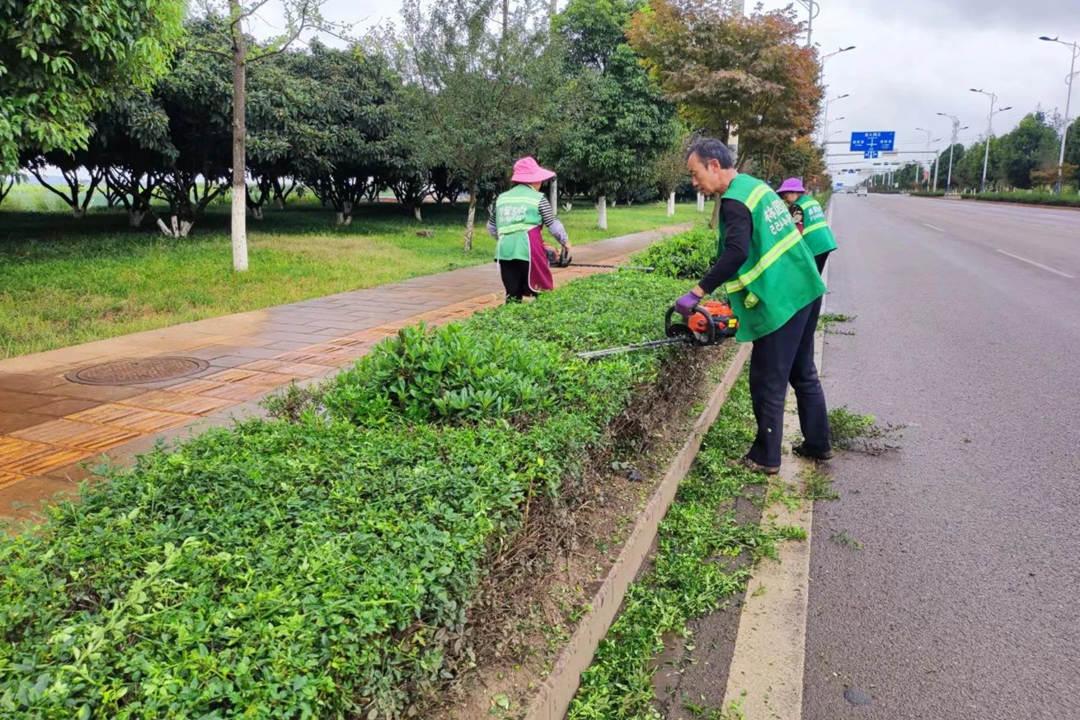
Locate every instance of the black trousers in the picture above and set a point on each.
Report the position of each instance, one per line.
(779, 358)
(515, 279)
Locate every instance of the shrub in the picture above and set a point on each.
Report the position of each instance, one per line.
(320, 565)
(687, 256)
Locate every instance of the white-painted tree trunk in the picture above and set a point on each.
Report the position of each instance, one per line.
(553, 195)
(671, 205)
(470, 222)
(239, 148)
(701, 202)
(177, 229)
(418, 214)
(135, 218)
(601, 208)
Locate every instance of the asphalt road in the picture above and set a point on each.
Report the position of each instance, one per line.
(964, 601)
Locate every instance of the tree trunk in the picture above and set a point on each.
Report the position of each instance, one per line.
(135, 217)
(601, 208)
(239, 150)
(671, 205)
(417, 213)
(470, 221)
(553, 191)
(701, 202)
(714, 222)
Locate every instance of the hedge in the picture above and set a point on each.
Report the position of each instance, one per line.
(320, 565)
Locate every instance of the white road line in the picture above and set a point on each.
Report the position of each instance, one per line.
(934, 227)
(1037, 264)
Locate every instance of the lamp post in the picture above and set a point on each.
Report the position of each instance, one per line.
(814, 9)
(825, 128)
(989, 131)
(952, 143)
(929, 133)
(1074, 48)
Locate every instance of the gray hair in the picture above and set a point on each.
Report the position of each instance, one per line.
(708, 148)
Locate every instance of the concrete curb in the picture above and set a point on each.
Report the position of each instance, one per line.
(558, 689)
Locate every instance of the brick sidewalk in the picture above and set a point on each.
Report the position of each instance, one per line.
(52, 430)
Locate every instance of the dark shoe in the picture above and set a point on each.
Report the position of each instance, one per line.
(802, 451)
(752, 466)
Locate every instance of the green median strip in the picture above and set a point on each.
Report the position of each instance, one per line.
(704, 559)
(322, 563)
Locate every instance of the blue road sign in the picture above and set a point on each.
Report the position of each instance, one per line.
(875, 140)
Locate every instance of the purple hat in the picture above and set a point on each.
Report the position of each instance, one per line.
(792, 184)
(527, 170)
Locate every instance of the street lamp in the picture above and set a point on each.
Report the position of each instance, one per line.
(989, 130)
(955, 132)
(825, 128)
(1074, 47)
(836, 52)
(929, 133)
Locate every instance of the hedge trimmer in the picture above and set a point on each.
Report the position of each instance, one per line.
(562, 259)
(710, 323)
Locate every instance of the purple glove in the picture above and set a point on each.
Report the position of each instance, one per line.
(686, 304)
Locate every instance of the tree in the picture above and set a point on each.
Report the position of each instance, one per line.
(62, 61)
(619, 123)
(670, 167)
(1072, 150)
(488, 86)
(1030, 145)
(350, 118)
(730, 73)
(195, 98)
(76, 195)
(300, 16)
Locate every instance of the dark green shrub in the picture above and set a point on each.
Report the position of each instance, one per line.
(320, 565)
(687, 256)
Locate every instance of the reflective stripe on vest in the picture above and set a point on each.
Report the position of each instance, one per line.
(815, 226)
(789, 241)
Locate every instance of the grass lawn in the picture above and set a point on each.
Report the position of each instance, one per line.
(65, 281)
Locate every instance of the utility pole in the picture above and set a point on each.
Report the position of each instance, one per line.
(952, 143)
(989, 131)
(813, 9)
(1074, 47)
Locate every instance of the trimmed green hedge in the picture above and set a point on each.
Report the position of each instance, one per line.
(319, 566)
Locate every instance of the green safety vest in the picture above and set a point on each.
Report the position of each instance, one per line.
(517, 211)
(816, 231)
(779, 277)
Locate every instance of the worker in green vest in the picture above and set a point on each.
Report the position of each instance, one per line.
(773, 286)
(810, 218)
(516, 222)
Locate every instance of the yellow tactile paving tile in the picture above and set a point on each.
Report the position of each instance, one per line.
(44, 461)
(12, 448)
(9, 478)
(176, 402)
(231, 375)
(292, 369)
(237, 392)
(195, 387)
(268, 379)
(132, 418)
(72, 434)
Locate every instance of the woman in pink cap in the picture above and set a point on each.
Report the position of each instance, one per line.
(809, 217)
(516, 224)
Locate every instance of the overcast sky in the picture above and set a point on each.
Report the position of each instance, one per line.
(915, 58)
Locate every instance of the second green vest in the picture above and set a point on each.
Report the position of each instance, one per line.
(517, 211)
(816, 231)
(779, 277)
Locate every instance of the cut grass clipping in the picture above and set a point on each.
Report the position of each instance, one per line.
(696, 569)
(322, 564)
(861, 433)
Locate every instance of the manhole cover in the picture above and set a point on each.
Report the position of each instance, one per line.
(137, 371)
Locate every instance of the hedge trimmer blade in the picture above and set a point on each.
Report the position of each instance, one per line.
(562, 259)
(651, 344)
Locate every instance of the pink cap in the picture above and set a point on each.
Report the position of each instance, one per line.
(792, 184)
(527, 170)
